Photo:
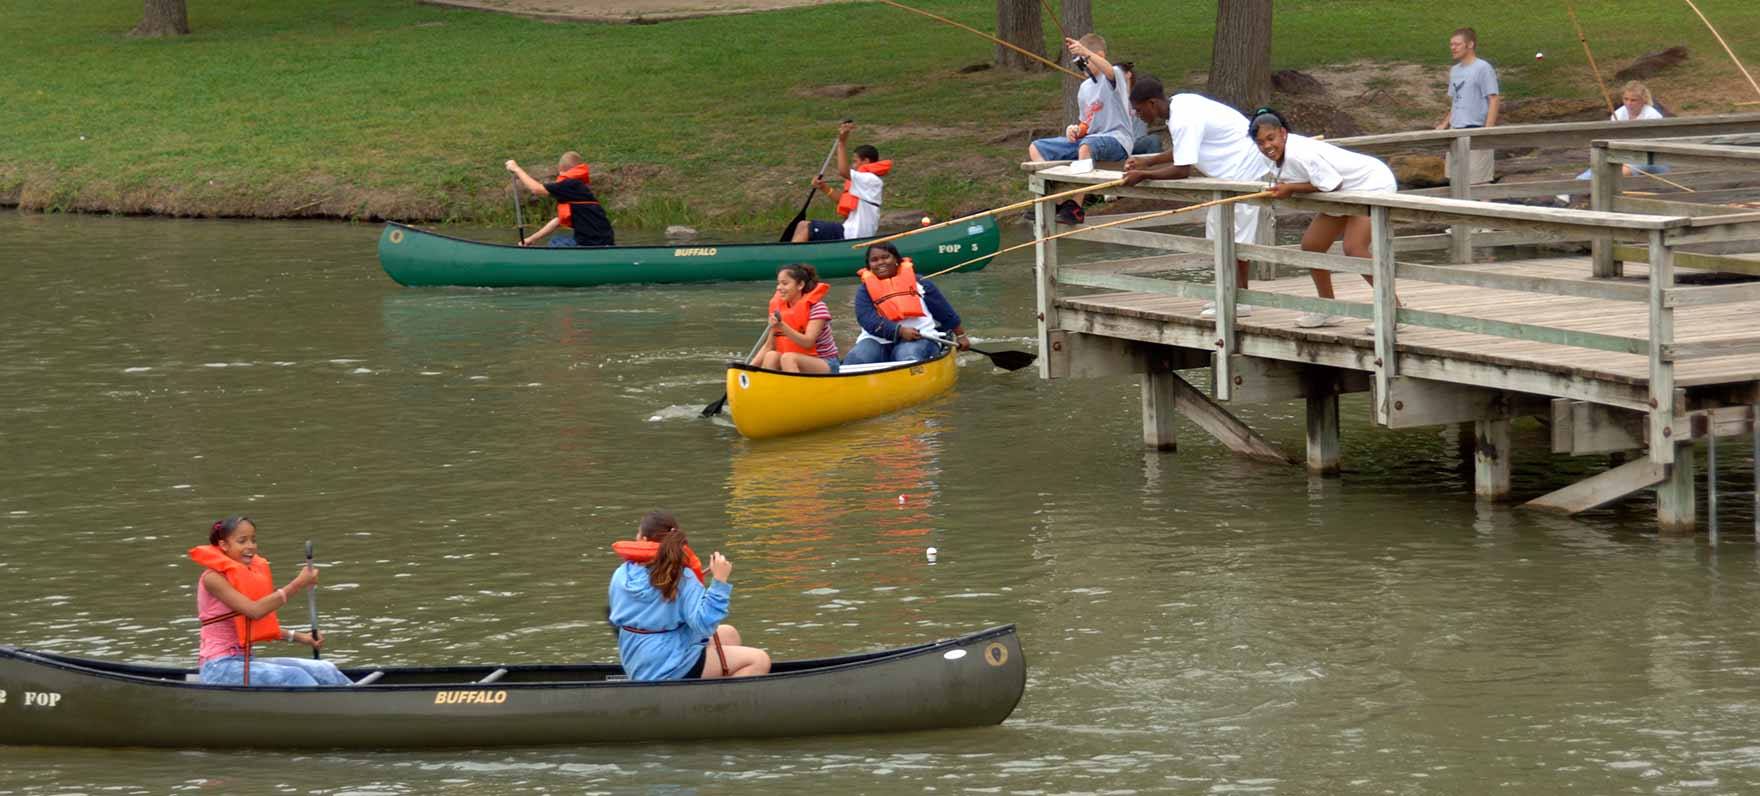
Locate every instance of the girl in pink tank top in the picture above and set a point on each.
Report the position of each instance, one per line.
(219, 602)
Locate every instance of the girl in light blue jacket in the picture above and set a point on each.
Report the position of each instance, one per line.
(668, 613)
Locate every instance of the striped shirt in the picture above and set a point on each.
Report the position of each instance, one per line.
(825, 347)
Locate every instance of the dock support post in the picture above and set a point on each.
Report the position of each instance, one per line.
(1225, 289)
(1491, 459)
(1323, 456)
(1460, 186)
(1676, 506)
(1711, 484)
(1386, 310)
(1045, 273)
(1663, 398)
(1159, 411)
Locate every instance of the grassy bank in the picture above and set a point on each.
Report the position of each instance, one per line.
(370, 109)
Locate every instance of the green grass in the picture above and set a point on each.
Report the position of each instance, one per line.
(369, 108)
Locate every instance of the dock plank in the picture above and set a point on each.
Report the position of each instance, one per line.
(1600, 316)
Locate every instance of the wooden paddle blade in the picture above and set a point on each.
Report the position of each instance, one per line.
(1010, 360)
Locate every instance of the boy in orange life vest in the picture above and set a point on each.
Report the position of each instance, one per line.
(894, 308)
(858, 202)
(576, 206)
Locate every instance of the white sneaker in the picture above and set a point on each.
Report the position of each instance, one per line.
(1315, 320)
(1240, 311)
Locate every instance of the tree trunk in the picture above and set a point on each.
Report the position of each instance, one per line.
(163, 18)
(1078, 20)
(1240, 56)
(1017, 22)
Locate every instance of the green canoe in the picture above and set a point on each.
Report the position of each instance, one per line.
(416, 257)
(59, 700)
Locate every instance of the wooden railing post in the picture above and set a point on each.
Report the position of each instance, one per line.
(1603, 187)
(1386, 310)
(1675, 504)
(1225, 289)
(1460, 186)
(1044, 273)
(1661, 428)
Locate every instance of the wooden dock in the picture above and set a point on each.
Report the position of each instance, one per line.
(1607, 348)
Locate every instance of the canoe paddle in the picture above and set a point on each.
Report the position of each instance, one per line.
(312, 602)
(801, 217)
(519, 217)
(715, 408)
(1007, 360)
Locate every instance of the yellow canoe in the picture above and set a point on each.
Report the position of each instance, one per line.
(767, 403)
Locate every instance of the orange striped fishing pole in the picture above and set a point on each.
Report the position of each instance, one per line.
(1032, 55)
(1087, 227)
(1572, 10)
(1732, 53)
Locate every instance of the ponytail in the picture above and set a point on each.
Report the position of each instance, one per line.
(223, 529)
(802, 273)
(663, 571)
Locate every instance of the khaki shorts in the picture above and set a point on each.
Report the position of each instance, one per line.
(1480, 169)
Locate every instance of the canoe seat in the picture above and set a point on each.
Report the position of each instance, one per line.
(368, 679)
(493, 676)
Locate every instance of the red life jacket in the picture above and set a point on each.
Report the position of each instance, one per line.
(643, 552)
(848, 202)
(563, 213)
(796, 318)
(895, 298)
(254, 582)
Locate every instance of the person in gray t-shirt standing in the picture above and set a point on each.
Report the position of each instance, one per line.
(1473, 97)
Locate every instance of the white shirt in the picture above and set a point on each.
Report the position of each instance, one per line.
(1213, 137)
(863, 221)
(1107, 110)
(924, 324)
(1332, 168)
(1649, 112)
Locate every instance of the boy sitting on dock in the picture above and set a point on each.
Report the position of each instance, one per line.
(576, 206)
(1103, 131)
(858, 202)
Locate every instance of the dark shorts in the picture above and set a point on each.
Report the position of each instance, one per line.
(824, 230)
(696, 671)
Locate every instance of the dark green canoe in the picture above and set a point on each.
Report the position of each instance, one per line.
(417, 257)
(58, 700)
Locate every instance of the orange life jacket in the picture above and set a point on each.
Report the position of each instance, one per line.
(254, 582)
(796, 318)
(563, 213)
(848, 202)
(895, 298)
(637, 551)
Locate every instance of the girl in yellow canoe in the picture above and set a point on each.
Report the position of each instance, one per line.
(800, 325)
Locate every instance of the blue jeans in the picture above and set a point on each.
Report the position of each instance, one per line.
(1147, 145)
(868, 351)
(562, 239)
(1103, 147)
(272, 672)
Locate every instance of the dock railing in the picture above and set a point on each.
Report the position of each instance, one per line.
(1656, 236)
(1459, 144)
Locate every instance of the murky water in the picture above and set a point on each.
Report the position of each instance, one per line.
(1193, 622)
